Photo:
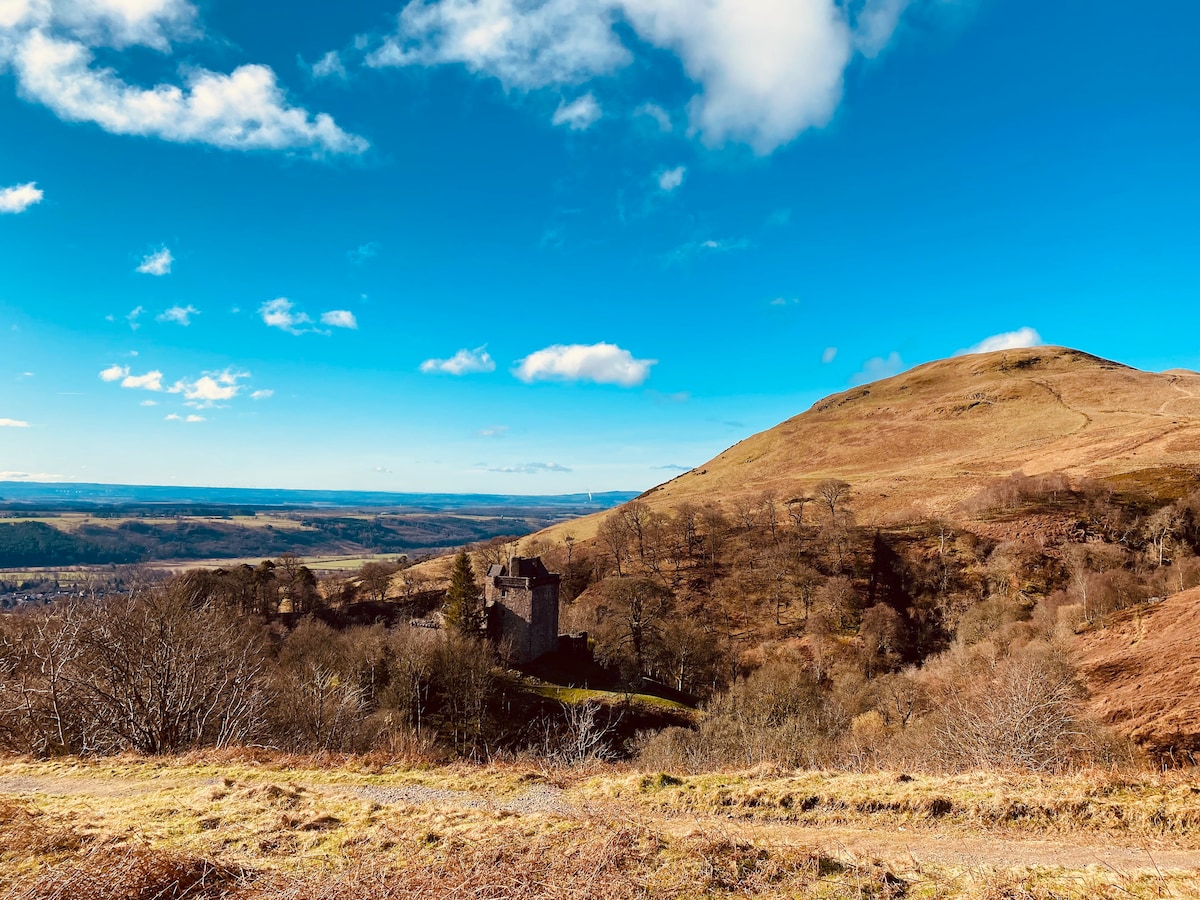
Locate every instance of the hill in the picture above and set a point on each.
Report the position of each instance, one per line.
(1143, 674)
(917, 446)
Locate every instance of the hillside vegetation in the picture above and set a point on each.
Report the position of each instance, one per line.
(921, 445)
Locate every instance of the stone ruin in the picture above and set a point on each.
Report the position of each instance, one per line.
(521, 602)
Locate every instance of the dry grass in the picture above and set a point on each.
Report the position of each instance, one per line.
(1110, 804)
(916, 446)
(265, 827)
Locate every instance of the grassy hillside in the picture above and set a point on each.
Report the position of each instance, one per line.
(918, 445)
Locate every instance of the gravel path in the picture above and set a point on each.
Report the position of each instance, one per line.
(538, 799)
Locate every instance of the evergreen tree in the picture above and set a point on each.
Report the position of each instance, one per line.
(464, 605)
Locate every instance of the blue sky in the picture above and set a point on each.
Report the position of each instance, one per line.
(541, 246)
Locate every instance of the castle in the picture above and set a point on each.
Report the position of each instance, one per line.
(521, 600)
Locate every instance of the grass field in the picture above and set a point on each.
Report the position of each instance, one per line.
(71, 522)
(274, 827)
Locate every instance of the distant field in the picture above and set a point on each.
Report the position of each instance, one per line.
(71, 522)
(316, 563)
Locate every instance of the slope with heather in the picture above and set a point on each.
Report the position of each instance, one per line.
(1143, 674)
(916, 446)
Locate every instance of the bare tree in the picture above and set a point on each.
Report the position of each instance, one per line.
(831, 493)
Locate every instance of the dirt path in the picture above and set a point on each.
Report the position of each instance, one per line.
(1185, 394)
(948, 846)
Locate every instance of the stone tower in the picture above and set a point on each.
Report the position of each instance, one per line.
(522, 607)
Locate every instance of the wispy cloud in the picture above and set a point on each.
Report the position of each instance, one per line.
(601, 363)
(675, 468)
(653, 111)
(828, 355)
(493, 431)
(363, 252)
(150, 381)
(671, 178)
(180, 315)
(578, 115)
(175, 417)
(281, 313)
(133, 315)
(878, 367)
(1009, 340)
(339, 318)
(157, 263)
(533, 468)
(709, 247)
(19, 197)
(28, 476)
(13, 423)
(464, 362)
(329, 66)
(765, 70)
(49, 48)
(211, 388)
(263, 394)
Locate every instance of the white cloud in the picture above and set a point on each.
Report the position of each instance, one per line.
(602, 363)
(533, 468)
(157, 263)
(281, 313)
(657, 113)
(180, 315)
(264, 394)
(149, 403)
(151, 381)
(132, 317)
(672, 178)
(210, 389)
(525, 45)
(244, 110)
(28, 476)
(194, 418)
(878, 367)
(828, 355)
(765, 70)
(578, 115)
(464, 362)
(493, 431)
(173, 417)
(1009, 340)
(19, 197)
(704, 248)
(339, 318)
(329, 66)
(105, 23)
(13, 423)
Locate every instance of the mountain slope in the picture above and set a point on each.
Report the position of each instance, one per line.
(917, 445)
(1143, 674)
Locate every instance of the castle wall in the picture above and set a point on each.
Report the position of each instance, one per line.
(523, 611)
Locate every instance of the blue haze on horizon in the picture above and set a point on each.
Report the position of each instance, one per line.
(544, 246)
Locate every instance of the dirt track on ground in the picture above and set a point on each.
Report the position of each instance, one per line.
(954, 846)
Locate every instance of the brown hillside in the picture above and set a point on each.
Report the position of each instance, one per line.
(917, 445)
(1144, 674)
